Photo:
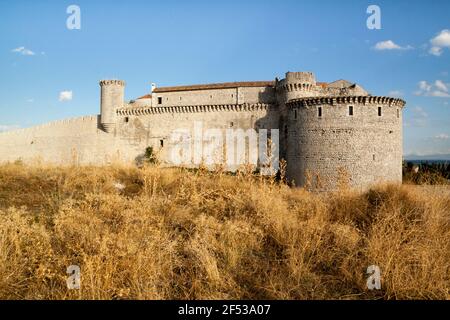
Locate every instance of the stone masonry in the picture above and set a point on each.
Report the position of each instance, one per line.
(328, 132)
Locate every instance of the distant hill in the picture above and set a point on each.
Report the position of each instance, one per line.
(428, 157)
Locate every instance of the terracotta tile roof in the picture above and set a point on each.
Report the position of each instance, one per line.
(147, 96)
(224, 85)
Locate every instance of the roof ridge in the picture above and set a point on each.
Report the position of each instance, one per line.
(219, 85)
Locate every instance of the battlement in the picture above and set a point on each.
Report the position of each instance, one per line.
(290, 87)
(366, 100)
(112, 82)
(297, 85)
(140, 111)
(51, 124)
(303, 77)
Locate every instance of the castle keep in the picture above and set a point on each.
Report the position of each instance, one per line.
(325, 129)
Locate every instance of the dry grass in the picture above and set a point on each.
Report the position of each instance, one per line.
(179, 234)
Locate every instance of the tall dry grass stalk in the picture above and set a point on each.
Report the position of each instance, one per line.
(185, 234)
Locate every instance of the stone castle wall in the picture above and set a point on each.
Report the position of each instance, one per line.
(153, 126)
(320, 150)
(84, 141)
(70, 141)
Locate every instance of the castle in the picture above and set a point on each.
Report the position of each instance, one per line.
(323, 129)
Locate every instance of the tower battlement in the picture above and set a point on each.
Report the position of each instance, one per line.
(300, 77)
(297, 85)
(111, 82)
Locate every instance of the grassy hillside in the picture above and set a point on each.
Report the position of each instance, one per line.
(156, 233)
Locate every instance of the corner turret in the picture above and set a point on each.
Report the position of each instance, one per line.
(297, 85)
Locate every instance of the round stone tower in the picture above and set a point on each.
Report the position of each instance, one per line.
(353, 140)
(297, 85)
(111, 98)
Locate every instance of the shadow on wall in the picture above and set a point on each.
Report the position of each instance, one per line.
(271, 121)
(268, 95)
(99, 124)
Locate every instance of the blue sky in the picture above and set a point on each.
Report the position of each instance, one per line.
(190, 42)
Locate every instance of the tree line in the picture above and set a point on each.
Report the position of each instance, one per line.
(427, 172)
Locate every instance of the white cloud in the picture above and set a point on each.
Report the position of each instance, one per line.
(423, 85)
(4, 127)
(435, 51)
(395, 93)
(390, 45)
(439, 94)
(442, 136)
(440, 41)
(65, 96)
(23, 51)
(438, 89)
(441, 85)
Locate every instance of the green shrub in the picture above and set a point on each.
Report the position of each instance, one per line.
(150, 156)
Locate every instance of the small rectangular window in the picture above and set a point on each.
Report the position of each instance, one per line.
(159, 100)
(379, 111)
(350, 110)
(319, 112)
(127, 119)
(161, 143)
(231, 124)
(398, 113)
(295, 114)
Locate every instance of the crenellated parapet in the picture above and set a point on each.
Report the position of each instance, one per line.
(52, 124)
(297, 85)
(112, 82)
(302, 77)
(297, 81)
(365, 100)
(141, 111)
(290, 87)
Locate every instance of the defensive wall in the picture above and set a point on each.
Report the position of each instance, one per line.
(328, 132)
